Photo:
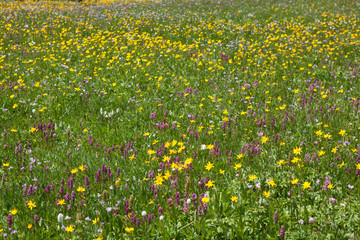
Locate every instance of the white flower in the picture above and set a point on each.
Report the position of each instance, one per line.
(161, 218)
(143, 213)
(203, 147)
(188, 201)
(60, 217)
(67, 218)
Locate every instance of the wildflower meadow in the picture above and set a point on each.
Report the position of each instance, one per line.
(203, 119)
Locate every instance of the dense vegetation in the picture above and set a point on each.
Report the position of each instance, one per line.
(186, 120)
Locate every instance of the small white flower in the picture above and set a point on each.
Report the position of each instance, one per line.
(143, 213)
(67, 218)
(188, 201)
(60, 217)
(203, 147)
(161, 218)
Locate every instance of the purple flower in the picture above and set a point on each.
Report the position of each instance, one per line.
(169, 202)
(301, 221)
(276, 217)
(9, 220)
(282, 232)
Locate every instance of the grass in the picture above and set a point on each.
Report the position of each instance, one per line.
(173, 120)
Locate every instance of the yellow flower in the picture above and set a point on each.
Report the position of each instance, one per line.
(234, 198)
(319, 133)
(31, 205)
(13, 212)
(264, 139)
(188, 161)
(271, 183)
(210, 146)
(266, 194)
(306, 185)
(341, 165)
(95, 220)
(209, 166)
(297, 150)
(240, 156)
(210, 183)
(6, 164)
(294, 181)
(252, 177)
(129, 229)
(237, 166)
(330, 186)
(205, 199)
(61, 202)
(358, 166)
(295, 160)
(159, 181)
(151, 152)
(80, 189)
(82, 168)
(167, 175)
(117, 182)
(342, 132)
(69, 228)
(320, 153)
(29, 226)
(281, 162)
(15, 105)
(222, 171)
(328, 136)
(74, 170)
